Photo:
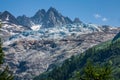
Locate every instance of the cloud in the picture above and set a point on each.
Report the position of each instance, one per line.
(97, 16)
(104, 19)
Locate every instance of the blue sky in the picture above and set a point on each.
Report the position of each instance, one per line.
(89, 11)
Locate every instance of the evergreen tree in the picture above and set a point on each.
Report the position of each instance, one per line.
(97, 72)
(94, 73)
(5, 74)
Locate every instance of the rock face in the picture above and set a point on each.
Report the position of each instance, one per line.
(32, 44)
(48, 19)
(24, 21)
(54, 18)
(38, 17)
(6, 16)
(116, 37)
(77, 20)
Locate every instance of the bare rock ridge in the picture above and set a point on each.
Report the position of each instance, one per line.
(38, 17)
(54, 18)
(51, 18)
(6, 16)
(116, 37)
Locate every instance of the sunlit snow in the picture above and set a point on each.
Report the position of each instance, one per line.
(35, 27)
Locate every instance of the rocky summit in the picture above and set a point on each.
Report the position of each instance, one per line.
(33, 44)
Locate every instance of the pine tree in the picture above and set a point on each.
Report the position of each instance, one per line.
(5, 74)
(98, 72)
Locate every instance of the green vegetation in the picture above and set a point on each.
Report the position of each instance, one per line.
(92, 72)
(106, 65)
(5, 74)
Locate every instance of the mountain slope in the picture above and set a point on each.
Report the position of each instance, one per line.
(116, 37)
(38, 54)
(108, 53)
(36, 42)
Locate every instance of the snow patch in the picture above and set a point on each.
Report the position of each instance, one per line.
(35, 27)
(7, 18)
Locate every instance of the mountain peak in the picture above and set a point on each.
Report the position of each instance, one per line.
(37, 18)
(7, 16)
(39, 12)
(6, 12)
(53, 13)
(52, 9)
(77, 20)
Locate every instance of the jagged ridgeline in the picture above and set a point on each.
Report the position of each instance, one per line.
(103, 54)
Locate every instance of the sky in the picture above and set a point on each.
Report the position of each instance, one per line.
(103, 12)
